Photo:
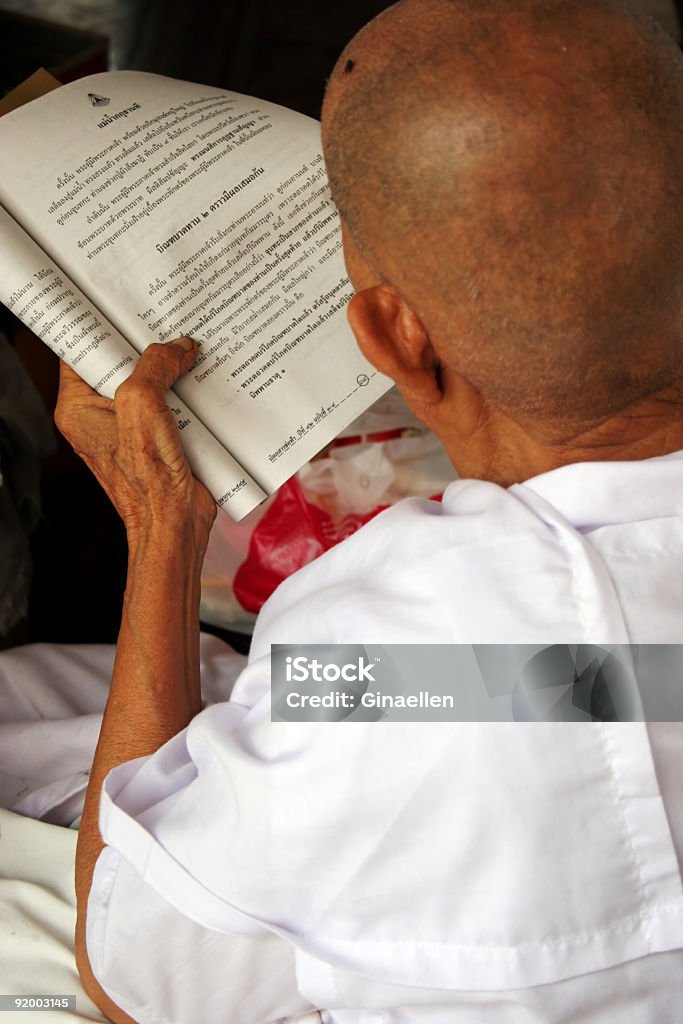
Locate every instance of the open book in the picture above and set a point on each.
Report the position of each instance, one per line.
(135, 208)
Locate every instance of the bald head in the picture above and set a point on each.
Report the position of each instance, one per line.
(514, 169)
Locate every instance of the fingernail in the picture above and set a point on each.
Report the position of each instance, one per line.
(186, 344)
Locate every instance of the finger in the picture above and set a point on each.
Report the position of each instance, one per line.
(70, 381)
(160, 366)
(73, 395)
(73, 388)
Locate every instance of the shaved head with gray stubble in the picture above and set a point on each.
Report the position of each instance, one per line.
(514, 169)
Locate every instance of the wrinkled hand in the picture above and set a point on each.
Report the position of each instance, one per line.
(132, 445)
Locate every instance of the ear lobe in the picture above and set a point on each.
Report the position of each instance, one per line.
(393, 338)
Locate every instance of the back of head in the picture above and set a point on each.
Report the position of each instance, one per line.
(514, 168)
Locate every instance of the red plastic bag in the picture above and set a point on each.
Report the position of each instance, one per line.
(290, 535)
(384, 456)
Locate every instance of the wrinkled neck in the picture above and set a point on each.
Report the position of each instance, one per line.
(486, 443)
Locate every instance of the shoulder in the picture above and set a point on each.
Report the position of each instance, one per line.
(403, 576)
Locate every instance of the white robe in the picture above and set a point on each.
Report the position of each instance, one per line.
(445, 872)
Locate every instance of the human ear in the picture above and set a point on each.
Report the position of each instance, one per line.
(393, 338)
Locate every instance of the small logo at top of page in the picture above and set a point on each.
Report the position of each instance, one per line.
(98, 101)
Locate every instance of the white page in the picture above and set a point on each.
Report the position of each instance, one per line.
(39, 294)
(180, 209)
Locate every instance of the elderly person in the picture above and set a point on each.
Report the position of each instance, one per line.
(509, 178)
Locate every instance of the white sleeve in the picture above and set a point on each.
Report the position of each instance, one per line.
(162, 968)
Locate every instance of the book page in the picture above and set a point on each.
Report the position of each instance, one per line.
(39, 294)
(184, 209)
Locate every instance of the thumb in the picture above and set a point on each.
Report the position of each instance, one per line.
(160, 366)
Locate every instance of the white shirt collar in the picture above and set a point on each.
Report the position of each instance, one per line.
(591, 494)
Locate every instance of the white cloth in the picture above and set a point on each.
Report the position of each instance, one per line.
(51, 701)
(37, 920)
(425, 872)
(443, 872)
